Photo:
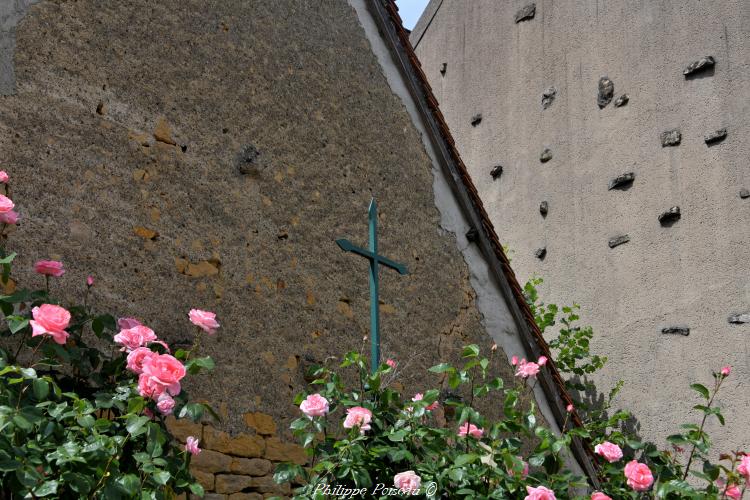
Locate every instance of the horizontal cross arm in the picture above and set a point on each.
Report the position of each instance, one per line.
(348, 246)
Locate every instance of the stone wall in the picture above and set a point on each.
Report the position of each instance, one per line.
(522, 88)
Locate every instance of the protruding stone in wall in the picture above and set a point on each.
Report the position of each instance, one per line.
(249, 160)
(670, 216)
(744, 193)
(472, 235)
(546, 155)
(622, 181)
(496, 172)
(671, 138)
(443, 68)
(476, 119)
(541, 253)
(543, 208)
(738, 319)
(527, 12)
(699, 66)
(622, 100)
(716, 136)
(676, 330)
(606, 91)
(548, 96)
(618, 240)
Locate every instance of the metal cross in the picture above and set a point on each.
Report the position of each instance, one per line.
(375, 260)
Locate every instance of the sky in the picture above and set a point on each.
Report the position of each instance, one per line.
(410, 10)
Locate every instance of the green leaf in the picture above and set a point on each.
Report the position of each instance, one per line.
(197, 489)
(470, 351)
(46, 488)
(701, 389)
(286, 472)
(193, 411)
(195, 365)
(161, 477)
(16, 323)
(442, 367)
(465, 459)
(41, 388)
(135, 425)
(100, 323)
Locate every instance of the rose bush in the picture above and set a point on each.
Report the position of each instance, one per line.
(83, 400)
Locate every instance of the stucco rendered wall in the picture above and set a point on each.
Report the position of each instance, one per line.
(695, 272)
(196, 154)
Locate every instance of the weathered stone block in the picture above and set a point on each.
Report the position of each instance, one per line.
(670, 216)
(214, 496)
(206, 479)
(606, 91)
(496, 172)
(543, 208)
(699, 66)
(716, 136)
(622, 100)
(739, 318)
(245, 496)
(476, 119)
(232, 483)
(622, 181)
(548, 96)
(251, 466)
(744, 193)
(266, 484)
(676, 330)
(279, 451)
(546, 155)
(184, 427)
(211, 461)
(261, 422)
(242, 445)
(618, 240)
(525, 13)
(540, 253)
(671, 138)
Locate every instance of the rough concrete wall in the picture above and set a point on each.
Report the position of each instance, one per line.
(694, 272)
(195, 154)
(11, 12)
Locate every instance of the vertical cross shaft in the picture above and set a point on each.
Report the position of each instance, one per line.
(374, 288)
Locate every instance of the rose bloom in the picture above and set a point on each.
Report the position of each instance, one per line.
(90, 281)
(314, 405)
(598, 495)
(165, 368)
(49, 267)
(542, 360)
(9, 217)
(610, 451)
(127, 323)
(204, 319)
(569, 408)
(539, 493)
(407, 482)
(149, 387)
(744, 467)
(358, 417)
(418, 397)
(6, 204)
(725, 371)
(527, 369)
(137, 357)
(191, 445)
(732, 491)
(514, 360)
(135, 337)
(4, 178)
(470, 429)
(165, 404)
(639, 476)
(51, 320)
(390, 363)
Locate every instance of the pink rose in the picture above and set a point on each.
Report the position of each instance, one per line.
(610, 451)
(639, 476)
(569, 408)
(10, 217)
(732, 491)
(165, 404)
(514, 360)
(90, 281)
(6, 205)
(744, 467)
(127, 323)
(598, 495)
(137, 357)
(4, 177)
(49, 267)
(470, 429)
(527, 369)
(191, 445)
(390, 363)
(725, 371)
(165, 368)
(418, 397)
(358, 417)
(314, 405)
(148, 387)
(51, 320)
(407, 482)
(135, 337)
(542, 360)
(539, 493)
(204, 319)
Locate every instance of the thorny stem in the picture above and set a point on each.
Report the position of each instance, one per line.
(703, 422)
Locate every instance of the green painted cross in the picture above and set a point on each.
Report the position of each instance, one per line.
(375, 260)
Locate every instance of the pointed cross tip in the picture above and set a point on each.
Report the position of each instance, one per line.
(344, 244)
(373, 206)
